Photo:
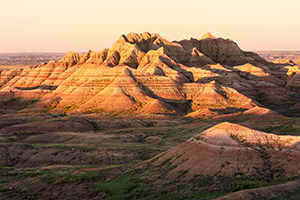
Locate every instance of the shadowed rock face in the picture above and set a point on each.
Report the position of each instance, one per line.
(145, 73)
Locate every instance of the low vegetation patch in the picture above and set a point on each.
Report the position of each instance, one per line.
(27, 133)
(286, 129)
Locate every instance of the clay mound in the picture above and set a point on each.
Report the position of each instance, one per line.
(45, 75)
(254, 114)
(262, 114)
(83, 84)
(284, 191)
(157, 107)
(297, 62)
(227, 149)
(210, 95)
(56, 76)
(294, 82)
(202, 75)
(126, 93)
(7, 75)
(255, 73)
(198, 59)
(214, 95)
(253, 70)
(12, 93)
(50, 126)
(25, 71)
(223, 51)
(116, 97)
(284, 61)
(205, 113)
(35, 77)
(290, 71)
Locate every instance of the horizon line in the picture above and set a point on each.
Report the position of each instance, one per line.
(19, 52)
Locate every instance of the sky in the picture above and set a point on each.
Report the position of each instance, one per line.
(77, 25)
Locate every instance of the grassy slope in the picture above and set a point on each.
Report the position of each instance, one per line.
(126, 180)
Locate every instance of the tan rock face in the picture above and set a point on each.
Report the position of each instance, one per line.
(254, 73)
(71, 57)
(7, 75)
(227, 149)
(98, 57)
(297, 62)
(284, 61)
(254, 114)
(214, 95)
(145, 73)
(207, 35)
(223, 51)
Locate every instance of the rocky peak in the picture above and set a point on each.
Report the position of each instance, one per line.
(71, 57)
(85, 57)
(98, 57)
(207, 35)
(145, 41)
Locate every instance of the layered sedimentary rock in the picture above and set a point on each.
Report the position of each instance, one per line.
(228, 149)
(7, 75)
(284, 61)
(297, 61)
(145, 73)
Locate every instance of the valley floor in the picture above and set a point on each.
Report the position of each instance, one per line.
(110, 163)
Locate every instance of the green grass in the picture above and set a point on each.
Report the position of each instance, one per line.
(94, 125)
(123, 188)
(287, 129)
(124, 182)
(172, 196)
(83, 147)
(295, 110)
(182, 173)
(27, 133)
(66, 177)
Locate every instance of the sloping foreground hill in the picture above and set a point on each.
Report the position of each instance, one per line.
(107, 164)
(233, 150)
(144, 74)
(289, 190)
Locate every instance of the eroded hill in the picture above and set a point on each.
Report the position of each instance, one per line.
(144, 74)
(116, 123)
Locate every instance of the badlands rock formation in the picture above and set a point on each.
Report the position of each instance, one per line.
(146, 74)
(276, 191)
(228, 149)
(297, 61)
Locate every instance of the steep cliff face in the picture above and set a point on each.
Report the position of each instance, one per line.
(223, 51)
(145, 73)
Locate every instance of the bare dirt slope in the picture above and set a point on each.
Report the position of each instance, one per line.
(231, 149)
(289, 190)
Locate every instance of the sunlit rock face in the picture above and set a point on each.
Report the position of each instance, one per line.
(227, 149)
(144, 73)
